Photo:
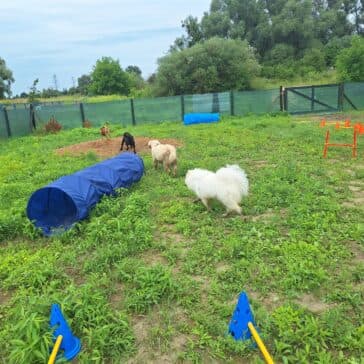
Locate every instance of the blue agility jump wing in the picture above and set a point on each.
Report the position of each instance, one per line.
(238, 326)
(70, 344)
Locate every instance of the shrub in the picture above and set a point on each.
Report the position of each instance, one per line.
(53, 126)
(87, 124)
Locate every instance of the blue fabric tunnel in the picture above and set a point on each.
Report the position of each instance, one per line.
(60, 204)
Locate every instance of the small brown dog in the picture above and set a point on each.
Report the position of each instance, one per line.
(105, 131)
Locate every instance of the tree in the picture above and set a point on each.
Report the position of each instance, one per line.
(108, 78)
(6, 78)
(83, 84)
(301, 25)
(134, 69)
(350, 61)
(211, 66)
(34, 92)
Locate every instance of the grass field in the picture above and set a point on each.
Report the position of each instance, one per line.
(152, 277)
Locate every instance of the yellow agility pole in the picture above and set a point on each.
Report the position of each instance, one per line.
(54, 353)
(262, 348)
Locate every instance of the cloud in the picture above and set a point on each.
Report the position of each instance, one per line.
(42, 38)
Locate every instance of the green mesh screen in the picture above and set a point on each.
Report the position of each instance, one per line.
(355, 93)
(116, 112)
(157, 110)
(318, 99)
(68, 115)
(258, 102)
(3, 130)
(328, 95)
(218, 102)
(19, 121)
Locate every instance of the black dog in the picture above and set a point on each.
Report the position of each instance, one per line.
(129, 141)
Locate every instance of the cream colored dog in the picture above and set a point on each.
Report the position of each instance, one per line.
(165, 154)
(228, 185)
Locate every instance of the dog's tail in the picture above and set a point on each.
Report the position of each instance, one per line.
(234, 172)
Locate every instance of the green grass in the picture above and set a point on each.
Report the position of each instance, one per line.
(67, 99)
(152, 276)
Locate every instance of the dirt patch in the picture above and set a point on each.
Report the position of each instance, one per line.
(312, 304)
(108, 148)
(117, 296)
(153, 257)
(357, 189)
(149, 351)
(74, 273)
(4, 298)
(358, 253)
(266, 216)
(270, 302)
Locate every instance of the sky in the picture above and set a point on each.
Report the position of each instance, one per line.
(40, 39)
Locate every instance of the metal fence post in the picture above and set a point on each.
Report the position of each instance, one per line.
(7, 123)
(182, 107)
(132, 112)
(285, 99)
(232, 105)
(32, 124)
(82, 113)
(281, 102)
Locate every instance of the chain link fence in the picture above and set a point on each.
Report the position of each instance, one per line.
(22, 119)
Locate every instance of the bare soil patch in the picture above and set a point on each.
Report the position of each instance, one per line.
(357, 189)
(358, 253)
(312, 304)
(147, 351)
(4, 298)
(270, 302)
(117, 296)
(108, 148)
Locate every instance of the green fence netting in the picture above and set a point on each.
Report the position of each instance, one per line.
(217, 102)
(328, 97)
(355, 93)
(19, 121)
(116, 112)
(257, 102)
(321, 98)
(68, 115)
(157, 110)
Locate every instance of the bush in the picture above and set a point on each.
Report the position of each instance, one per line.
(350, 61)
(87, 124)
(212, 66)
(53, 126)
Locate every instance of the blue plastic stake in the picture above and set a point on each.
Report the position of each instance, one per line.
(71, 345)
(238, 326)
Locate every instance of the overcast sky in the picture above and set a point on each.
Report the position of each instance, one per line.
(39, 39)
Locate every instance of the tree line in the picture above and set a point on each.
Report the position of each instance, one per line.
(234, 42)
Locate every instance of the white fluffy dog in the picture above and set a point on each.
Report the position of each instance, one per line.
(228, 185)
(165, 154)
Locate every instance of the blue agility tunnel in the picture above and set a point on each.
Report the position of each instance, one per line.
(197, 118)
(59, 205)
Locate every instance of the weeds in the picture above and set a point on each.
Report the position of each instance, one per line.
(150, 252)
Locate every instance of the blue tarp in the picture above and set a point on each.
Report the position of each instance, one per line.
(197, 118)
(67, 200)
